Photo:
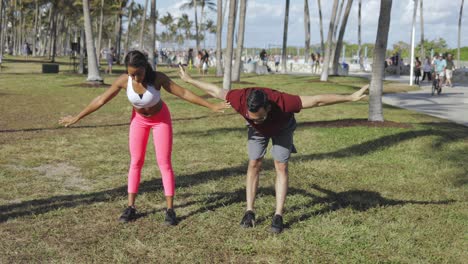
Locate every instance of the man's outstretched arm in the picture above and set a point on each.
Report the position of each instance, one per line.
(328, 99)
(208, 88)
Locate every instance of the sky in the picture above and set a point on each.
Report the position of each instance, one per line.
(265, 18)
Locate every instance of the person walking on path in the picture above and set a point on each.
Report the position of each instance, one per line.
(270, 115)
(143, 88)
(426, 70)
(449, 68)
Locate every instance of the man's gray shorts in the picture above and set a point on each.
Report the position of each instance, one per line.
(283, 144)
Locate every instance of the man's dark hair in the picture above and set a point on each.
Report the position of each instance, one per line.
(256, 100)
(137, 59)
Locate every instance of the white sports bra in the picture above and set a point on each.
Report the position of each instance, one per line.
(148, 99)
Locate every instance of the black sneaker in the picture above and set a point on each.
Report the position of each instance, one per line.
(248, 220)
(170, 217)
(128, 215)
(277, 224)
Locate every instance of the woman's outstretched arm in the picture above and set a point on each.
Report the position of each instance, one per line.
(96, 103)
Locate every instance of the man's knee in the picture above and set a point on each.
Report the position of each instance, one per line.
(281, 167)
(255, 164)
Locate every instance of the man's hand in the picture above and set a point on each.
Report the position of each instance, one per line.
(183, 74)
(359, 94)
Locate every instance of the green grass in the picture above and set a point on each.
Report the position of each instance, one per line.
(359, 194)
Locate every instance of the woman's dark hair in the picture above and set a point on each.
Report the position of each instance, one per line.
(256, 100)
(137, 59)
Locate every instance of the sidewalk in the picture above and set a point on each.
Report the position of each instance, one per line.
(451, 104)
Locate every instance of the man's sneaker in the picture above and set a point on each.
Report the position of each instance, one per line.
(170, 217)
(129, 214)
(248, 220)
(277, 224)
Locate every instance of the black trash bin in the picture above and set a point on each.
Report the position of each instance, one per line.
(50, 68)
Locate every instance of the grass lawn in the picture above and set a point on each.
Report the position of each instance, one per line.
(359, 192)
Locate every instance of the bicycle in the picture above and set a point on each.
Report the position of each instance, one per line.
(436, 84)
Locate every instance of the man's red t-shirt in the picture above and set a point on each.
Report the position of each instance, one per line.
(283, 107)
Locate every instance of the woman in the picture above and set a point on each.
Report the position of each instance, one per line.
(143, 86)
(417, 71)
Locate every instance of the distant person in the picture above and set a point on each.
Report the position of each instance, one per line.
(205, 60)
(263, 57)
(426, 69)
(190, 58)
(439, 69)
(143, 87)
(277, 62)
(449, 68)
(270, 116)
(417, 70)
(110, 60)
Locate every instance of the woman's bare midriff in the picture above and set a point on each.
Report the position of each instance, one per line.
(149, 111)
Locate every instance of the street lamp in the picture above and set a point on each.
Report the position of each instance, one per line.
(412, 41)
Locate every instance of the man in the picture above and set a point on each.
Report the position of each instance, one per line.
(450, 66)
(270, 115)
(439, 69)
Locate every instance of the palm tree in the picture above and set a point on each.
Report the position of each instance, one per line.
(322, 45)
(194, 4)
(326, 62)
(142, 29)
(240, 41)
(307, 30)
(101, 19)
(376, 84)
(335, 30)
(219, 33)
(93, 71)
(339, 43)
(459, 31)
(360, 58)
(130, 17)
(423, 53)
(285, 36)
(166, 21)
(185, 24)
(229, 45)
(152, 46)
(1, 29)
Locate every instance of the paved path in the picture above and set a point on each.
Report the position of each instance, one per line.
(451, 104)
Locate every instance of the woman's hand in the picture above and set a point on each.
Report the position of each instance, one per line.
(67, 121)
(183, 74)
(220, 107)
(359, 94)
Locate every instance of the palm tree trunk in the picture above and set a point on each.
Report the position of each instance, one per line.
(2, 30)
(219, 44)
(335, 30)
(202, 28)
(339, 43)
(307, 30)
(423, 52)
(152, 46)
(54, 34)
(36, 18)
(93, 70)
(322, 44)
(229, 45)
(326, 62)
(459, 32)
(130, 16)
(285, 37)
(240, 41)
(376, 84)
(142, 29)
(197, 36)
(101, 19)
(360, 58)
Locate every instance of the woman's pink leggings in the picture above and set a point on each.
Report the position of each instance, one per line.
(162, 137)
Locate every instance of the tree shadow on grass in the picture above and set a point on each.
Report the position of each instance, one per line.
(41, 206)
(357, 200)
